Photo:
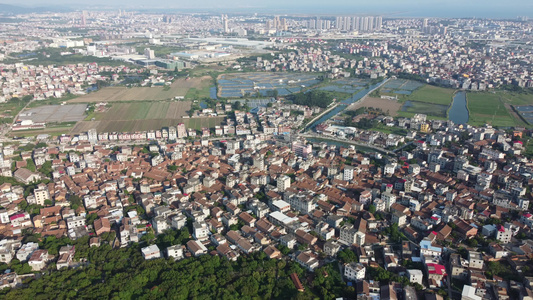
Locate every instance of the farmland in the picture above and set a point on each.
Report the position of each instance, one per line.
(432, 94)
(145, 111)
(141, 116)
(418, 98)
(179, 88)
(390, 107)
(433, 111)
(491, 108)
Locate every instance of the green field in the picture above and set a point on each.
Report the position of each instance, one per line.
(437, 111)
(430, 100)
(199, 123)
(432, 94)
(490, 108)
(516, 98)
(9, 109)
(199, 93)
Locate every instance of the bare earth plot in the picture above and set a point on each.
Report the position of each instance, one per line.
(388, 106)
(178, 88)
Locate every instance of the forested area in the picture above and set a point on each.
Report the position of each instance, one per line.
(124, 274)
(312, 98)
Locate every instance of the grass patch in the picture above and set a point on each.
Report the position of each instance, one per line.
(194, 93)
(432, 94)
(489, 108)
(386, 129)
(516, 98)
(416, 107)
(52, 101)
(10, 109)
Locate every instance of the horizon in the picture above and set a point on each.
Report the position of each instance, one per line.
(412, 8)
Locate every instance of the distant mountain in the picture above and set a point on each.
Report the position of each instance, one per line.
(6, 9)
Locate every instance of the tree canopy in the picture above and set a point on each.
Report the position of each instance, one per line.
(124, 274)
(312, 98)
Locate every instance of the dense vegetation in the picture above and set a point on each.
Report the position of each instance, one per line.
(124, 274)
(313, 98)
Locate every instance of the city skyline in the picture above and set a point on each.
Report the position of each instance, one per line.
(482, 9)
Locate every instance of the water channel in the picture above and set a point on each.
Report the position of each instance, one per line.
(343, 105)
(458, 113)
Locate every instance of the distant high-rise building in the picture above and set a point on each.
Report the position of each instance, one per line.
(370, 23)
(225, 23)
(356, 23)
(283, 25)
(348, 25)
(84, 18)
(379, 23)
(149, 53)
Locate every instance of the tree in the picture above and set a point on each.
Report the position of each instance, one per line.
(372, 209)
(237, 105)
(46, 169)
(284, 250)
(91, 217)
(347, 256)
(75, 201)
(30, 165)
(313, 98)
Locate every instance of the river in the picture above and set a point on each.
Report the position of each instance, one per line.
(344, 104)
(458, 113)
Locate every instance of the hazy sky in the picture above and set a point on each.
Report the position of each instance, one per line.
(430, 8)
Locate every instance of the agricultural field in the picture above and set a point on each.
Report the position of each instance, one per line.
(433, 111)
(416, 97)
(9, 109)
(242, 84)
(391, 107)
(400, 87)
(179, 88)
(432, 94)
(492, 108)
(141, 116)
(144, 111)
(199, 123)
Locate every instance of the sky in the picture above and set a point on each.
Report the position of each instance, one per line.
(397, 8)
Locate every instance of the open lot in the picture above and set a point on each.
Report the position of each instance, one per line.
(490, 108)
(54, 113)
(179, 88)
(387, 106)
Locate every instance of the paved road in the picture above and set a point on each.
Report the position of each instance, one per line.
(324, 137)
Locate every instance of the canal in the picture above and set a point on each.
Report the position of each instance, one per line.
(458, 113)
(344, 104)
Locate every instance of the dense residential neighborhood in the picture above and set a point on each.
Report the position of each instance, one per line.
(254, 156)
(454, 204)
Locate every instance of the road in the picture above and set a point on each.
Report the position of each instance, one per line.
(318, 136)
